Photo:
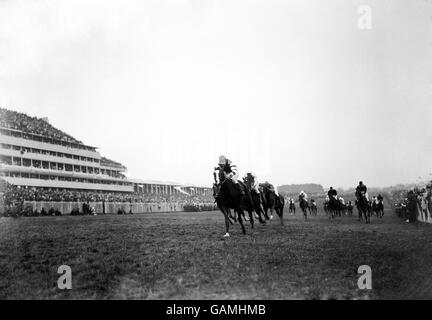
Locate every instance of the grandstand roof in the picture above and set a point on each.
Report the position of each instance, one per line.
(168, 183)
(48, 137)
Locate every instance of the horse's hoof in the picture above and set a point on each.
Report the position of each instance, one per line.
(226, 235)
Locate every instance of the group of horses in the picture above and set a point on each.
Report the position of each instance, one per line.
(234, 200)
(335, 207)
(305, 206)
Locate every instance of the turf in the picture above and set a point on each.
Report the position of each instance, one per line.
(183, 256)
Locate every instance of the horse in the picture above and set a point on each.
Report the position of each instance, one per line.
(373, 210)
(326, 207)
(255, 200)
(341, 207)
(304, 206)
(271, 201)
(333, 206)
(379, 209)
(313, 210)
(255, 197)
(292, 207)
(228, 196)
(363, 207)
(349, 208)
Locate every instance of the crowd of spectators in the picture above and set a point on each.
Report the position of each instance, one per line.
(20, 121)
(409, 204)
(11, 195)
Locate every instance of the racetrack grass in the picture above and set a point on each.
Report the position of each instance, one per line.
(182, 256)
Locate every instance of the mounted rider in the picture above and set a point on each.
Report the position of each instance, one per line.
(226, 169)
(303, 196)
(270, 187)
(332, 193)
(251, 181)
(380, 198)
(361, 188)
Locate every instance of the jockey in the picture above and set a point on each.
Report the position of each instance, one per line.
(271, 187)
(227, 170)
(380, 198)
(303, 196)
(332, 193)
(361, 188)
(254, 183)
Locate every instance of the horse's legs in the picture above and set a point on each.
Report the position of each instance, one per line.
(265, 211)
(259, 211)
(251, 218)
(271, 213)
(227, 220)
(240, 214)
(279, 212)
(367, 216)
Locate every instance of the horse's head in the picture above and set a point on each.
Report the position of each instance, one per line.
(216, 189)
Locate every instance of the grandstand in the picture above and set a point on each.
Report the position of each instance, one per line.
(35, 154)
(40, 163)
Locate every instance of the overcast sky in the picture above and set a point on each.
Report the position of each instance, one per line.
(294, 91)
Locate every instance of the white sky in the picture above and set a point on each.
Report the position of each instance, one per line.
(292, 90)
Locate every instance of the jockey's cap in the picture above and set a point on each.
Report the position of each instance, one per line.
(222, 159)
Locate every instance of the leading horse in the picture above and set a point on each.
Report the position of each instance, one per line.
(228, 196)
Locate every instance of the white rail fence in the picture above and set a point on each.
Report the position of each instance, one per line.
(105, 207)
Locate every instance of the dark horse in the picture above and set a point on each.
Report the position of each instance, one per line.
(379, 209)
(228, 196)
(292, 207)
(273, 202)
(334, 207)
(363, 207)
(256, 202)
(304, 206)
(349, 208)
(313, 210)
(254, 198)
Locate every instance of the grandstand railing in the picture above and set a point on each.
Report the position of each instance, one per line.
(105, 207)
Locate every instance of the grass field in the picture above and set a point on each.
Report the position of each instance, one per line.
(182, 256)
